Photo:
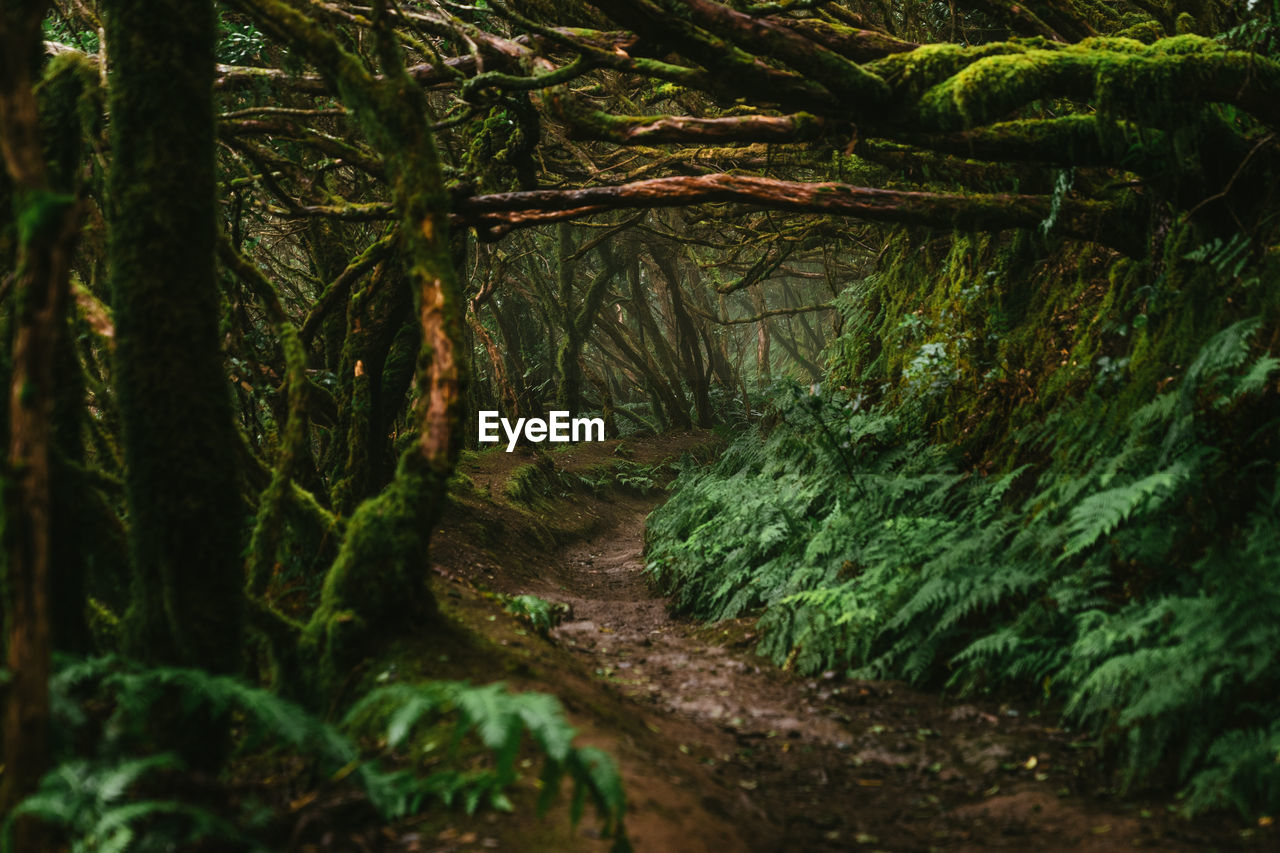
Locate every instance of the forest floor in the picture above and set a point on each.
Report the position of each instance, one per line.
(720, 750)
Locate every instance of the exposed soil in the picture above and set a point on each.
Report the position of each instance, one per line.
(830, 764)
(720, 750)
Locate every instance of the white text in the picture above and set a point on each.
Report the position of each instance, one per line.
(559, 427)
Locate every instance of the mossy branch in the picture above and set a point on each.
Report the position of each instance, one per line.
(291, 440)
(734, 72)
(691, 130)
(1082, 219)
(516, 83)
(377, 578)
(1155, 84)
(854, 43)
(857, 88)
(338, 289)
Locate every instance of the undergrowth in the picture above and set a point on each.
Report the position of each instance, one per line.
(120, 797)
(536, 612)
(1134, 573)
(625, 475)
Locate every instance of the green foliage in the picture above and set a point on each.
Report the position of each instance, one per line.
(1260, 31)
(91, 802)
(58, 30)
(625, 474)
(103, 803)
(376, 577)
(39, 214)
(538, 613)
(239, 42)
(1133, 572)
(499, 720)
(112, 702)
(533, 484)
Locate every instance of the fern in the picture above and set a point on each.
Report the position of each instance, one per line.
(500, 720)
(1136, 573)
(538, 613)
(93, 800)
(90, 801)
(1102, 512)
(133, 690)
(1242, 768)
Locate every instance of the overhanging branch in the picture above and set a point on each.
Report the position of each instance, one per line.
(496, 214)
(756, 318)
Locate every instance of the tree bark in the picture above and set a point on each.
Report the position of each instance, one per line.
(181, 484)
(47, 227)
(378, 579)
(764, 364)
(1098, 222)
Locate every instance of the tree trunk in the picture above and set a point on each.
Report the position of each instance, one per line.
(185, 511)
(503, 390)
(512, 347)
(47, 230)
(673, 391)
(379, 580)
(568, 368)
(764, 368)
(686, 337)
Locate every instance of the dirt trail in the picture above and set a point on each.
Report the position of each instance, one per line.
(830, 764)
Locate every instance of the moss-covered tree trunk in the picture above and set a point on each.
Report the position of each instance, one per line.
(375, 356)
(568, 368)
(503, 392)
(686, 337)
(512, 350)
(378, 581)
(671, 390)
(577, 316)
(185, 512)
(46, 224)
(69, 95)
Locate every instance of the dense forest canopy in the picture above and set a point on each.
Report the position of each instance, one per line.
(999, 277)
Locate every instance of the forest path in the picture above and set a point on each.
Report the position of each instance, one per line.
(829, 764)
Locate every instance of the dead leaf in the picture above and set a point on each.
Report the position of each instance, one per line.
(302, 802)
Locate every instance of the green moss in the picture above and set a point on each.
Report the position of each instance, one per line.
(979, 338)
(186, 514)
(377, 586)
(185, 510)
(1145, 31)
(397, 370)
(1156, 82)
(500, 154)
(40, 213)
(912, 74)
(460, 485)
(1184, 45)
(104, 626)
(992, 87)
(352, 484)
(269, 525)
(71, 104)
(530, 485)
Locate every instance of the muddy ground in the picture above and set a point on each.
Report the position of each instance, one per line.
(721, 751)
